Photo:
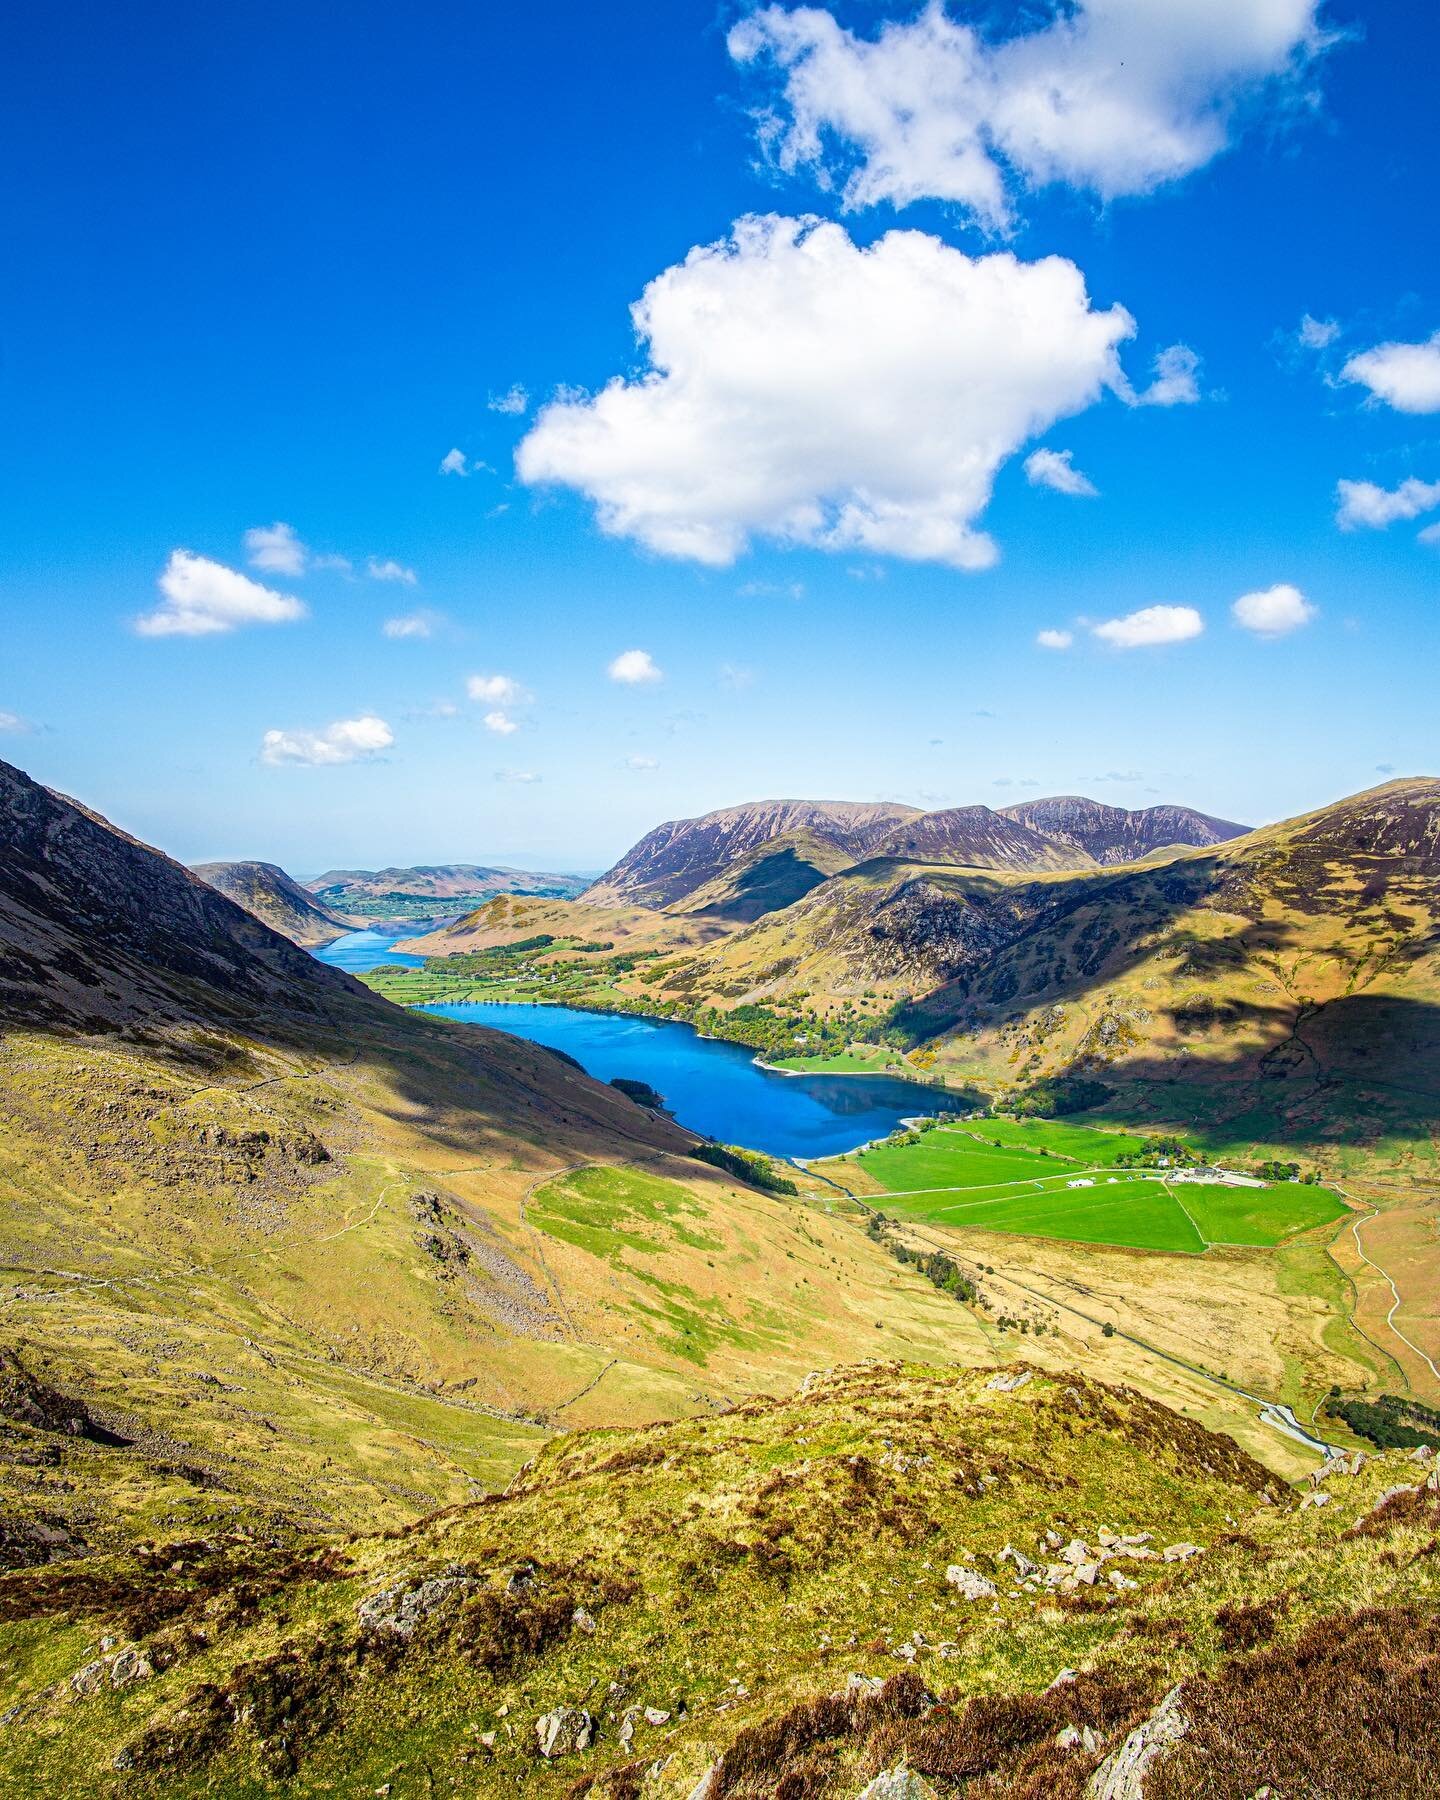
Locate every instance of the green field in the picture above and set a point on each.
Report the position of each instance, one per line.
(958, 1176)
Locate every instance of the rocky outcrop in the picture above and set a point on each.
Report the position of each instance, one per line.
(1122, 1774)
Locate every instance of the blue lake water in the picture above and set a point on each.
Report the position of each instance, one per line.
(359, 950)
(715, 1088)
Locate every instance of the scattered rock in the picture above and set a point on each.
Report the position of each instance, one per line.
(1314, 1499)
(970, 1584)
(1182, 1552)
(1024, 1568)
(582, 1621)
(1122, 1774)
(704, 1788)
(898, 1783)
(654, 1716)
(400, 1611)
(564, 1732)
(1006, 1384)
(129, 1665)
(857, 1686)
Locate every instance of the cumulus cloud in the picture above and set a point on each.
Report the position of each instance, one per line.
(346, 741)
(1175, 380)
(410, 625)
(341, 564)
(1317, 334)
(200, 598)
(498, 690)
(390, 570)
(1151, 625)
(1056, 469)
(500, 723)
(1113, 96)
(513, 400)
(807, 390)
(1273, 612)
(453, 463)
(1430, 535)
(276, 549)
(1405, 376)
(633, 667)
(1367, 503)
(642, 764)
(1054, 640)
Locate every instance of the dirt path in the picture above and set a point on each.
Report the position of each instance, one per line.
(1389, 1281)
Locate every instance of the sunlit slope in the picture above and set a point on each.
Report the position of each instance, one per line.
(1049, 1555)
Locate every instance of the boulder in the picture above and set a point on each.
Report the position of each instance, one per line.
(1122, 1774)
(564, 1731)
(970, 1584)
(898, 1783)
(1182, 1552)
(400, 1611)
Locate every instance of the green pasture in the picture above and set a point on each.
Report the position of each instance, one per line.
(958, 1176)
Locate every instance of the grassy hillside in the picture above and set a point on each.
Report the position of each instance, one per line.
(778, 1597)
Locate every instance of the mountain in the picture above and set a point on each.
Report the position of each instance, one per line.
(1112, 834)
(438, 882)
(1105, 1598)
(269, 893)
(1289, 977)
(671, 862)
(976, 837)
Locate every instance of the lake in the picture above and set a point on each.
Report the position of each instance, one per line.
(360, 950)
(715, 1088)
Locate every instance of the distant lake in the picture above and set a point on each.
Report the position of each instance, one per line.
(716, 1088)
(360, 950)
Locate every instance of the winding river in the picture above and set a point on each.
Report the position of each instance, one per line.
(715, 1088)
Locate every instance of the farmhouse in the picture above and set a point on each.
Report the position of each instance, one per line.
(1217, 1178)
(1084, 1181)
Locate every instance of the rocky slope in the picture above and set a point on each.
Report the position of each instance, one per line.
(1114, 834)
(978, 838)
(675, 859)
(276, 900)
(1009, 1584)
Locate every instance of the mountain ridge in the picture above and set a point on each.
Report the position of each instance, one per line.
(278, 900)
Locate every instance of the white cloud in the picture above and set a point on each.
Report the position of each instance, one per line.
(1056, 469)
(453, 463)
(1054, 640)
(410, 625)
(642, 764)
(500, 723)
(807, 390)
(201, 598)
(12, 724)
(276, 549)
(1317, 334)
(1405, 376)
(1112, 96)
(1430, 535)
(341, 564)
(513, 400)
(522, 775)
(1366, 503)
(1273, 612)
(498, 690)
(390, 570)
(1174, 383)
(735, 677)
(1151, 625)
(772, 590)
(633, 667)
(346, 741)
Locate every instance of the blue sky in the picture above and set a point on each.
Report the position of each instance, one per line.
(269, 265)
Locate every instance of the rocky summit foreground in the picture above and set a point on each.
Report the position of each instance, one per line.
(898, 1581)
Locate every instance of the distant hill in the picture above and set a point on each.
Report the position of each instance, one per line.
(271, 895)
(672, 861)
(445, 882)
(1113, 834)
